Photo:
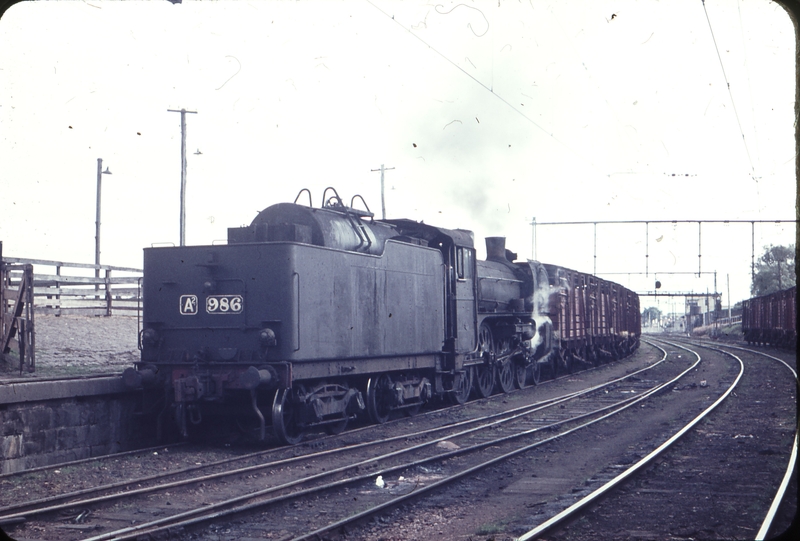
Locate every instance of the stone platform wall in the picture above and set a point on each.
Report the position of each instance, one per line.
(46, 423)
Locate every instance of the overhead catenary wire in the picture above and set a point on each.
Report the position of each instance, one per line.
(583, 64)
(489, 89)
(749, 84)
(730, 94)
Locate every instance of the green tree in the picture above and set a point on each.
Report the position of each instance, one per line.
(651, 313)
(775, 270)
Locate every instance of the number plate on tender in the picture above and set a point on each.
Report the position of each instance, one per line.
(224, 304)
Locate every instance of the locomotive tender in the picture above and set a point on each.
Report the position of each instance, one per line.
(309, 316)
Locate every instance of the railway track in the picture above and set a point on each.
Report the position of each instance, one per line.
(650, 481)
(404, 478)
(406, 461)
(160, 467)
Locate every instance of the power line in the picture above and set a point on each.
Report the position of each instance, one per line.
(749, 84)
(647, 235)
(488, 89)
(725, 76)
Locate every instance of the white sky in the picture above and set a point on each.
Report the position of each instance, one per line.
(491, 114)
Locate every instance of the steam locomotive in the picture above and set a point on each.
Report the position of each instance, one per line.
(309, 317)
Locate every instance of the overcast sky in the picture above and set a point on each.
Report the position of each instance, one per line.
(490, 113)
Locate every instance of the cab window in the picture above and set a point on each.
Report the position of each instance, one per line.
(464, 263)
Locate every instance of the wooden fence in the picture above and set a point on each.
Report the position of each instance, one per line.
(36, 286)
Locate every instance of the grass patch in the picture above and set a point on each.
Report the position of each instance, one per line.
(492, 528)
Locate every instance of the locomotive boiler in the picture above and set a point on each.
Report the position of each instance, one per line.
(310, 316)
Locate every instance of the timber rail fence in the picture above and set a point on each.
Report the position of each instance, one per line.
(38, 286)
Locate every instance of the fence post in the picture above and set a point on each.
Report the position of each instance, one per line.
(108, 292)
(30, 336)
(21, 332)
(58, 295)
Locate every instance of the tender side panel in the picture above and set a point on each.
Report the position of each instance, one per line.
(353, 305)
(210, 303)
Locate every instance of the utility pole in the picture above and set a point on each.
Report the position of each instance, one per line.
(728, 279)
(100, 174)
(383, 200)
(183, 170)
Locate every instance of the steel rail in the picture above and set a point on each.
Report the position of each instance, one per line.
(169, 522)
(580, 504)
(787, 476)
(776, 501)
(239, 471)
(210, 511)
(84, 460)
(415, 493)
(511, 414)
(28, 512)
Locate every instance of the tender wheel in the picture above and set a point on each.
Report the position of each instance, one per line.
(520, 375)
(413, 410)
(336, 428)
(339, 426)
(485, 373)
(379, 396)
(285, 418)
(462, 387)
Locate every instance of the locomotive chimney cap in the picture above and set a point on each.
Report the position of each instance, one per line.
(495, 248)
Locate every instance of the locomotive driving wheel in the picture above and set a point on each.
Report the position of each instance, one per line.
(379, 398)
(461, 386)
(285, 418)
(485, 372)
(506, 371)
(520, 375)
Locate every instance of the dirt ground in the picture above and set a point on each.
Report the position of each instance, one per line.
(80, 345)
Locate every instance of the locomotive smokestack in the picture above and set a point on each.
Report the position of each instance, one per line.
(496, 248)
